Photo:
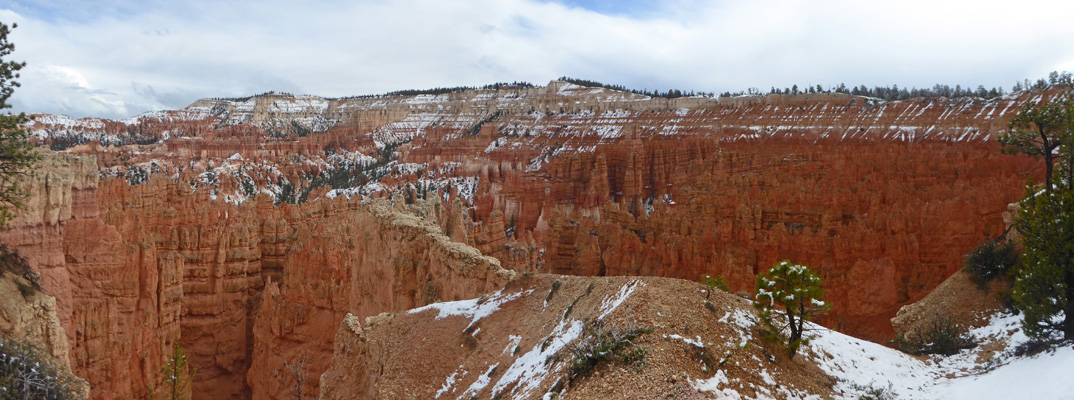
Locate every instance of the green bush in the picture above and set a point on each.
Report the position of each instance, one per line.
(991, 260)
(635, 356)
(602, 342)
(941, 336)
(25, 375)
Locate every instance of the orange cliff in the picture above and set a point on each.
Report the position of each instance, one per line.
(370, 259)
(137, 268)
(883, 223)
(854, 187)
(883, 198)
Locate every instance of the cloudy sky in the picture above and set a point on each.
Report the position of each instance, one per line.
(119, 58)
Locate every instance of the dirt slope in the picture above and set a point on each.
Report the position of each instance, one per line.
(517, 344)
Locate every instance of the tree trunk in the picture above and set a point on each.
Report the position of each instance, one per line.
(801, 318)
(1046, 151)
(1068, 308)
(795, 333)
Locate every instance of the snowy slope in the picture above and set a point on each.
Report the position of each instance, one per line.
(862, 365)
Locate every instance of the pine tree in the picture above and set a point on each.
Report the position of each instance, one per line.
(1037, 129)
(178, 375)
(796, 290)
(16, 153)
(1044, 289)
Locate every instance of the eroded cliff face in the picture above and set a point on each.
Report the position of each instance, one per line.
(883, 223)
(238, 228)
(142, 267)
(371, 258)
(117, 299)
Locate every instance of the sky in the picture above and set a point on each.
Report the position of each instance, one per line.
(120, 58)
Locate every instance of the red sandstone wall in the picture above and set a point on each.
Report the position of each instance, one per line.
(370, 260)
(140, 267)
(904, 213)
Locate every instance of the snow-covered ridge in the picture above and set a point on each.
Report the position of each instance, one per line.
(950, 120)
(570, 123)
(63, 121)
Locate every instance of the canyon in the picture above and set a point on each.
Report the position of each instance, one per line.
(248, 229)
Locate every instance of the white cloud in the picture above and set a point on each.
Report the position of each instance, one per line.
(123, 58)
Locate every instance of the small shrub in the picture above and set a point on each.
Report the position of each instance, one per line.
(604, 342)
(714, 282)
(25, 375)
(1006, 298)
(941, 336)
(991, 260)
(873, 392)
(635, 356)
(552, 291)
(12, 262)
(710, 306)
(469, 341)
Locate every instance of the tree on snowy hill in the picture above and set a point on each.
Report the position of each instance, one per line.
(794, 292)
(16, 154)
(1040, 130)
(1044, 289)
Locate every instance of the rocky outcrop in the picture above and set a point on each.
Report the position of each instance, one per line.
(28, 316)
(967, 304)
(369, 260)
(56, 195)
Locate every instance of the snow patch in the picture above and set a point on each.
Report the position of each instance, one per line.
(693, 342)
(712, 385)
(479, 383)
(449, 383)
(609, 304)
(474, 309)
(530, 369)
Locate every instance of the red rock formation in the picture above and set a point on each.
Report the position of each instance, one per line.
(140, 267)
(844, 209)
(101, 302)
(370, 260)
